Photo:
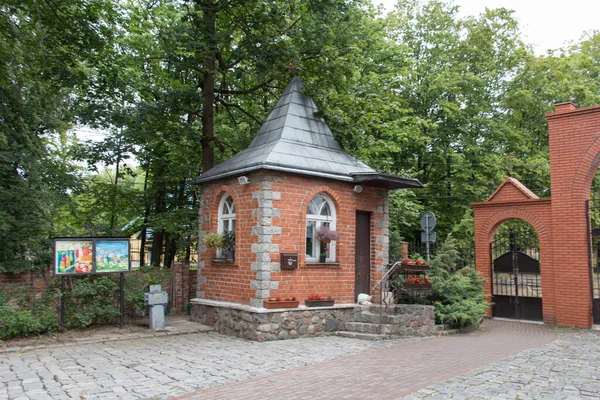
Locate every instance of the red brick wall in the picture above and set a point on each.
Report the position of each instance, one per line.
(34, 283)
(561, 223)
(231, 282)
(574, 136)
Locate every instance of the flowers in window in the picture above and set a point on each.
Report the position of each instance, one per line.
(213, 239)
(326, 235)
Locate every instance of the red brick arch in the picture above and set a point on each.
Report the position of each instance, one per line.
(586, 171)
(493, 222)
(561, 222)
(512, 200)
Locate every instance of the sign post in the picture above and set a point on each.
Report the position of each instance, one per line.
(91, 255)
(427, 224)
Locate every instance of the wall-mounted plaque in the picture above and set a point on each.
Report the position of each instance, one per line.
(289, 260)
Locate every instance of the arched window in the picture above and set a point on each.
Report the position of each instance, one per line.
(227, 224)
(320, 212)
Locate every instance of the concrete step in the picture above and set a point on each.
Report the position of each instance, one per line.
(362, 336)
(377, 318)
(362, 327)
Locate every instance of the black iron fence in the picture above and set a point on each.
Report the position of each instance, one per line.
(466, 254)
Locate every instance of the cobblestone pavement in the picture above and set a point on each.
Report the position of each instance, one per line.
(505, 360)
(158, 367)
(568, 368)
(400, 369)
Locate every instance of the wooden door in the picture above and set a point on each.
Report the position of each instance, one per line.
(362, 254)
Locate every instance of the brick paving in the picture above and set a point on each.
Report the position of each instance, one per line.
(391, 372)
(504, 360)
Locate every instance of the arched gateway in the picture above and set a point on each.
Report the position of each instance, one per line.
(562, 222)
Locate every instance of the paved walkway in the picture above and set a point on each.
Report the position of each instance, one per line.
(504, 360)
(394, 371)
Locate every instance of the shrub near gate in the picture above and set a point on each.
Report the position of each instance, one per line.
(458, 295)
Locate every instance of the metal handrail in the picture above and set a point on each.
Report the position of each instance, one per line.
(386, 275)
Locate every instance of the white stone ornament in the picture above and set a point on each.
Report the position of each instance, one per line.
(364, 299)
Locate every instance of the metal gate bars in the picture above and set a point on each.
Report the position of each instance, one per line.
(517, 283)
(593, 223)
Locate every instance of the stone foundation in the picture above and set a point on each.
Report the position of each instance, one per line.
(260, 324)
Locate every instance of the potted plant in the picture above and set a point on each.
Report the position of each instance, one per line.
(417, 283)
(326, 235)
(414, 264)
(323, 253)
(314, 300)
(281, 302)
(213, 239)
(229, 245)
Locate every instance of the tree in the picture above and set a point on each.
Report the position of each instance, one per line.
(42, 63)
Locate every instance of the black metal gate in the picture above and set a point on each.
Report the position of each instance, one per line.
(593, 223)
(517, 282)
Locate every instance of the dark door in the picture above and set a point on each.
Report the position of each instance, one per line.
(517, 283)
(362, 253)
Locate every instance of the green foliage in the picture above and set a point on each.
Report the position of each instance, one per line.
(40, 316)
(395, 247)
(458, 295)
(91, 300)
(155, 275)
(229, 241)
(423, 92)
(136, 284)
(213, 239)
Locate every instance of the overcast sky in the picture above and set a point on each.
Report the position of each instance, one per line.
(548, 24)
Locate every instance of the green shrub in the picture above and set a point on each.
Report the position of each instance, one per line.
(136, 284)
(92, 300)
(37, 317)
(458, 295)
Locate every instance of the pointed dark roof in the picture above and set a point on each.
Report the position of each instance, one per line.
(294, 138)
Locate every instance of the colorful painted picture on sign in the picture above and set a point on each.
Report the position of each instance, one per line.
(73, 257)
(112, 256)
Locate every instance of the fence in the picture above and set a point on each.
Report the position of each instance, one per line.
(467, 254)
(135, 254)
(181, 285)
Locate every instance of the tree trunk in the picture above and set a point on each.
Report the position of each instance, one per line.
(145, 228)
(160, 208)
(209, 9)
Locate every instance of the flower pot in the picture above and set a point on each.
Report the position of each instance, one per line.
(281, 304)
(421, 268)
(325, 240)
(417, 286)
(319, 303)
(322, 259)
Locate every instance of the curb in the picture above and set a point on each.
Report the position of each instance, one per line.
(161, 333)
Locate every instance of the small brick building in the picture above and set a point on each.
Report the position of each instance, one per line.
(569, 296)
(292, 179)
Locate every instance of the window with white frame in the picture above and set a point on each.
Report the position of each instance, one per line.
(226, 217)
(320, 212)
